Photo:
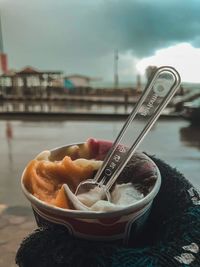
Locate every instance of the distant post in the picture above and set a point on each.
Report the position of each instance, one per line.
(138, 86)
(116, 79)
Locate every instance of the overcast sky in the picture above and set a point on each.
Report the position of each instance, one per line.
(80, 36)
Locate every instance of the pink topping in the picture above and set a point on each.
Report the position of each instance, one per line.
(98, 148)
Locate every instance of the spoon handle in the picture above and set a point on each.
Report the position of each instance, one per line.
(158, 92)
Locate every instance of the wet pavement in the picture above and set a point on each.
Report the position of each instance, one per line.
(14, 226)
(174, 141)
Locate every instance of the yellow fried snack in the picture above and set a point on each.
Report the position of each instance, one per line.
(44, 179)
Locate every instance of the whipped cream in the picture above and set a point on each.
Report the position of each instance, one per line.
(122, 196)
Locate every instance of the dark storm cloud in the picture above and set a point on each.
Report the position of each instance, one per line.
(144, 26)
(80, 36)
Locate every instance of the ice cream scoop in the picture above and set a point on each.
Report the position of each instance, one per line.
(158, 92)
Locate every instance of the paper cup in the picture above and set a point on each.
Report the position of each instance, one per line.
(108, 226)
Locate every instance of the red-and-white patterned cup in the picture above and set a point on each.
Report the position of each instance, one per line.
(116, 225)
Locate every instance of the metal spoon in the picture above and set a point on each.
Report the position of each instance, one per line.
(158, 92)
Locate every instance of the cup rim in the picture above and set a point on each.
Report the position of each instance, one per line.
(94, 214)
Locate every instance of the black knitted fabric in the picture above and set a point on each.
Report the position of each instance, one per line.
(171, 236)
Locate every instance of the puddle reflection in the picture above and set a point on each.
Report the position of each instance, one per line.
(9, 138)
(190, 136)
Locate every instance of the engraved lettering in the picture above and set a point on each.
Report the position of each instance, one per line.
(148, 107)
(116, 158)
(112, 165)
(122, 148)
(108, 172)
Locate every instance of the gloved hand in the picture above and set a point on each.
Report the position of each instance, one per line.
(171, 236)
